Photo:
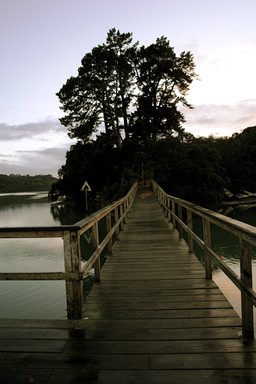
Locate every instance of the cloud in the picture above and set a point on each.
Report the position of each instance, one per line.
(46, 161)
(31, 130)
(220, 120)
(33, 148)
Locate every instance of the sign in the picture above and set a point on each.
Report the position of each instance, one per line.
(86, 187)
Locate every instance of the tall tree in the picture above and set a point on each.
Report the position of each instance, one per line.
(132, 92)
(124, 98)
(103, 90)
(164, 79)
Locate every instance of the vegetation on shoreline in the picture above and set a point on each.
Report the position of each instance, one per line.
(25, 183)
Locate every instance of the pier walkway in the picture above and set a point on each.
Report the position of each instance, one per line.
(153, 319)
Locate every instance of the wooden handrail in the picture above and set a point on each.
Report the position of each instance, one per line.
(74, 272)
(175, 209)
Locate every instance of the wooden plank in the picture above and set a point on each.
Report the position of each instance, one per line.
(200, 361)
(159, 314)
(178, 298)
(31, 345)
(158, 377)
(34, 333)
(162, 347)
(81, 361)
(112, 324)
(24, 375)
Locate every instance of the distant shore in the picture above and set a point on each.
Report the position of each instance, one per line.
(243, 201)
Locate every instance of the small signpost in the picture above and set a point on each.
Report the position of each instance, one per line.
(86, 188)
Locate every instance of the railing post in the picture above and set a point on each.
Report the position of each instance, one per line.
(74, 288)
(173, 215)
(207, 241)
(95, 242)
(246, 278)
(190, 226)
(108, 229)
(166, 206)
(168, 209)
(180, 229)
(121, 214)
(116, 220)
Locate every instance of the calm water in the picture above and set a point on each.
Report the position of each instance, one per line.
(28, 299)
(42, 300)
(228, 247)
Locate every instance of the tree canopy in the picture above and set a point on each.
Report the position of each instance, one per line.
(123, 107)
(127, 91)
(125, 97)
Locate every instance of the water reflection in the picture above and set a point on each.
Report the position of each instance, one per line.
(29, 299)
(226, 246)
(66, 214)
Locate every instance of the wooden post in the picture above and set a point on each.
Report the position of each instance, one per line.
(108, 229)
(166, 206)
(129, 204)
(173, 215)
(121, 214)
(180, 229)
(95, 242)
(207, 241)
(74, 288)
(168, 210)
(116, 219)
(246, 278)
(190, 226)
(125, 210)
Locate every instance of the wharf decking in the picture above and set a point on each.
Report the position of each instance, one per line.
(152, 319)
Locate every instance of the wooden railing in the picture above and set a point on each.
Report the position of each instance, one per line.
(182, 213)
(114, 215)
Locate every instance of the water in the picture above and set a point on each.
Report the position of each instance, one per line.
(227, 246)
(30, 299)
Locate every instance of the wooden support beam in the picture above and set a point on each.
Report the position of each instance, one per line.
(72, 261)
(246, 278)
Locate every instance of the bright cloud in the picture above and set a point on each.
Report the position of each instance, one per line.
(33, 148)
(226, 74)
(222, 119)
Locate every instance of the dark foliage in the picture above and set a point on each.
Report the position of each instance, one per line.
(25, 183)
(123, 109)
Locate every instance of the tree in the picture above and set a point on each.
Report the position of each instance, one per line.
(192, 171)
(163, 79)
(102, 92)
(127, 91)
(124, 99)
(239, 157)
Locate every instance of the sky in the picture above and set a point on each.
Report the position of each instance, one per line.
(43, 41)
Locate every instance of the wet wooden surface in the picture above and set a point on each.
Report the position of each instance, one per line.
(153, 319)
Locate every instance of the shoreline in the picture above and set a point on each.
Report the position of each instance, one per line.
(243, 201)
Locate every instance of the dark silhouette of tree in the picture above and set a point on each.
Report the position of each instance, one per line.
(163, 79)
(102, 93)
(127, 91)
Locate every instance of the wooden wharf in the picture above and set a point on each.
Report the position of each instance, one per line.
(153, 319)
